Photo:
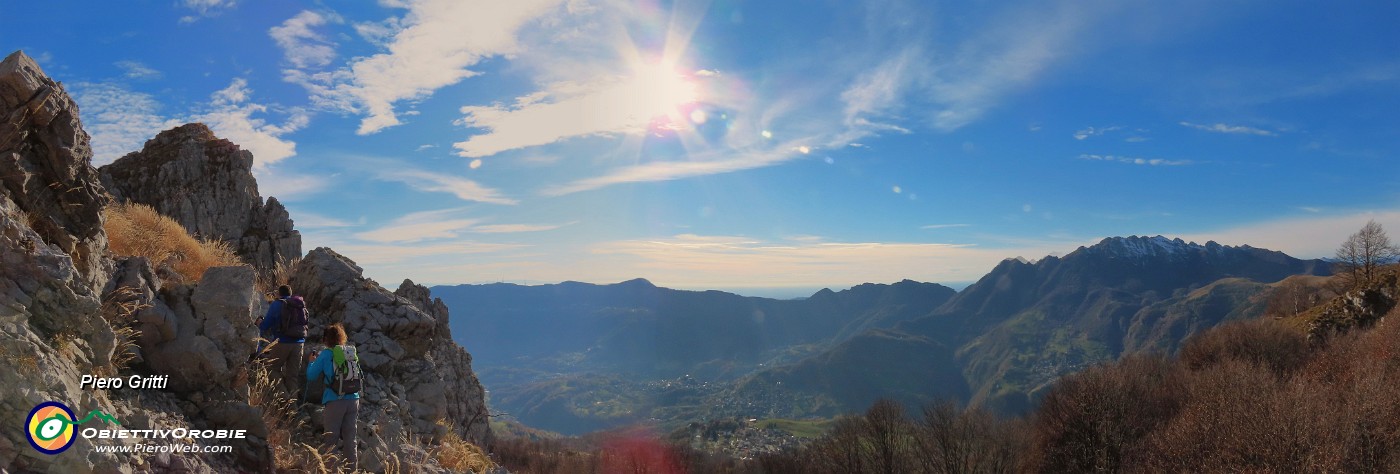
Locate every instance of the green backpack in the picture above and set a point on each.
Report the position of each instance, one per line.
(348, 377)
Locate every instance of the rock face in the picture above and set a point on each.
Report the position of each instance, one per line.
(46, 166)
(67, 309)
(418, 382)
(206, 184)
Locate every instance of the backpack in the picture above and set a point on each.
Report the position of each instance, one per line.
(346, 364)
(293, 319)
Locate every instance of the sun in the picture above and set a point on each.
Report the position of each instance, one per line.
(661, 92)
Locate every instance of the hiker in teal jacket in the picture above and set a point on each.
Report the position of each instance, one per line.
(339, 415)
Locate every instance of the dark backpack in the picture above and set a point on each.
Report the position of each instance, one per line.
(293, 319)
(346, 365)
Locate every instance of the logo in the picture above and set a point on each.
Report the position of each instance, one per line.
(50, 426)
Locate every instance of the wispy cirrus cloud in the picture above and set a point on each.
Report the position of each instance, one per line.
(690, 260)
(120, 121)
(301, 44)
(1094, 131)
(1230, 129)
(138, 71)
(517, 228)
(431, 46)
(701, 165)
(465, 189)
(608, 105)
(420, 226)
(205, 8)
(1136, 161)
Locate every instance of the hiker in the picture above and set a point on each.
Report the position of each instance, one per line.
(286, 319)
(339, 367)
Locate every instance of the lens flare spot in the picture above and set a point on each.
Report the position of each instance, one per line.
(767, 134)
(698, 116)
(897, 189)
(804, 149)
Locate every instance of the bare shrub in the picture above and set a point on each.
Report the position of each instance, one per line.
(1263, 342)
(954, 440)
(1093, 420)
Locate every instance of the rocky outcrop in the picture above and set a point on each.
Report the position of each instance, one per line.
(206, 184)
(68, 310)
(46, 166)
(51, 264)
(419, 383)
(1356, 308)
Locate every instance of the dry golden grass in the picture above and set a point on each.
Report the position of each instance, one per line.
(285, 428)
(460, 455)
(119, 309)
(280, 275)
(138, 230)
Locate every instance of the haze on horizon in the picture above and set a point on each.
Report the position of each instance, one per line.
(757, 145)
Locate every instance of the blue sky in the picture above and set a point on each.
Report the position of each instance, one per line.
(754, 145)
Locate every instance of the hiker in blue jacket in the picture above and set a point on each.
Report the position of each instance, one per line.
(290, 332)
(341, 409)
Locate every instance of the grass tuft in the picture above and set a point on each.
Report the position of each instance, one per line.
(138, 230)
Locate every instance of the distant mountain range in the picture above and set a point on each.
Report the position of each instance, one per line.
(573, 357)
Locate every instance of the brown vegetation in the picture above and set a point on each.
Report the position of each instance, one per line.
(1250, 396)
(138, 230)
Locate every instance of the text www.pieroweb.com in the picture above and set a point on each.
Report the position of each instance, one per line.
(163, 448)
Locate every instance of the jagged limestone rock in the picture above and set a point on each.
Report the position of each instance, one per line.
(419, 382)
(206, 184)
(51, 267)
(215, 331)
(47, 165)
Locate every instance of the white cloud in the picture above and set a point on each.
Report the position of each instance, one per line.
(302, 45)
(420, 226)
(309, 220)
(690, 260)
(876, 92)
(119, 120)
(671, 170)
(464, 189)
(205, 8)
(1136, 161)
(612, 105)
(1231, 129)
(137, 70)
(1006, 57)
(231, 116)
(287, 186)
(1302, 237)
(1092, 132)
(431, 47)
(515, 228)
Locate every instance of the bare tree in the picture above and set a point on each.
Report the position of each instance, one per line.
(1363, 254)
